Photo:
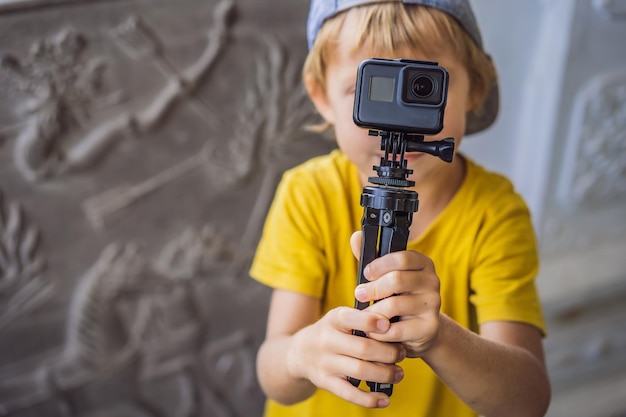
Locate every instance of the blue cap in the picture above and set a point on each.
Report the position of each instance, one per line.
(461, 10)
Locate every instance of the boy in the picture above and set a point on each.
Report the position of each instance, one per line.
(469, 338)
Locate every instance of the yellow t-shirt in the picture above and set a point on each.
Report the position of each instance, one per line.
(482, 244)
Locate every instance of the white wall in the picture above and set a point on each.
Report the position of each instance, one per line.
(529, 43)
(561, 134)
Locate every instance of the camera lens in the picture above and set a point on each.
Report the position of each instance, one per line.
(423, 86)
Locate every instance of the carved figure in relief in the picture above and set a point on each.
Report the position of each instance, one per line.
(138, 39)
(141, 319)
(61, 87)
(58, 86)
(97, 340)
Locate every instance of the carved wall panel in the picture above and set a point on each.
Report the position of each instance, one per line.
(595, 167)
(586, 190)
(140, 146)
(583, 234)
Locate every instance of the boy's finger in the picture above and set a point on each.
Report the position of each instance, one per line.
(355, 243)
(396, 282)
(348, 319)
(344, 389)
(398, 261)
(408, 306)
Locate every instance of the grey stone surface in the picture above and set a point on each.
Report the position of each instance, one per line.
(140, 146)
(586, 354)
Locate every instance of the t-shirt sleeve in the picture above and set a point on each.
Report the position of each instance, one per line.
(289, 254)
(506, 263)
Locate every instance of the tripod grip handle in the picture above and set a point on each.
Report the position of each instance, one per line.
(385, 225)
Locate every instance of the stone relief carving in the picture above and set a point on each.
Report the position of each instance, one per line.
(140, 41)
(62, 88)
(168, 327)
(258, 141)
(595, 166)
(144, 321)
(23, 284)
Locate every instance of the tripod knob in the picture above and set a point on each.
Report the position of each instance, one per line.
(444, 149)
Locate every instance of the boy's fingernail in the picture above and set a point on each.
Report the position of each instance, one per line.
(398, 376)
(382, 325)
(384, 402)
(403, 353)
(360, 292)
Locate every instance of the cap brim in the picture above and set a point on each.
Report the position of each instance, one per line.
(477, 121)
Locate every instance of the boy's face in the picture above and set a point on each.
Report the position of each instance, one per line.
(336, 106)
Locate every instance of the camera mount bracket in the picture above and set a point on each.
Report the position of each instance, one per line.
(389, 207)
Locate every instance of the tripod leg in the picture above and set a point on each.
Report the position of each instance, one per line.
(392, 239)
(368, 254)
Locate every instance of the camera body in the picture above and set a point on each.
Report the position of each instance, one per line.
(401, 95)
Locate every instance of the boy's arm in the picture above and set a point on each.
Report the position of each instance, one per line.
(500, 372)
(289, 312)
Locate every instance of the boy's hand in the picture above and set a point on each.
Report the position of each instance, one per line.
(326, 353)
(410, 278)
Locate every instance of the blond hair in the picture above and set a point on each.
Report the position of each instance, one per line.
(392, 27)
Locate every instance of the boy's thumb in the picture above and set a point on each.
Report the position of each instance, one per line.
(355, 243)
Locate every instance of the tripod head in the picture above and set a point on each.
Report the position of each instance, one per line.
(393, 171)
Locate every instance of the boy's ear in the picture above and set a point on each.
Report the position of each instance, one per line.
(318, 97)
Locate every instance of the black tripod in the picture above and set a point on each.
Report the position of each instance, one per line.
(389, 208)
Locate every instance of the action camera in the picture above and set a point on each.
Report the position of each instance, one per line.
(401, 95)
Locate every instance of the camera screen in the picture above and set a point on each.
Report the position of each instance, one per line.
(382, 89)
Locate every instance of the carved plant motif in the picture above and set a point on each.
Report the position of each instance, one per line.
(601, 164)
(274, 114)
(22, 284)
(58, 86)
